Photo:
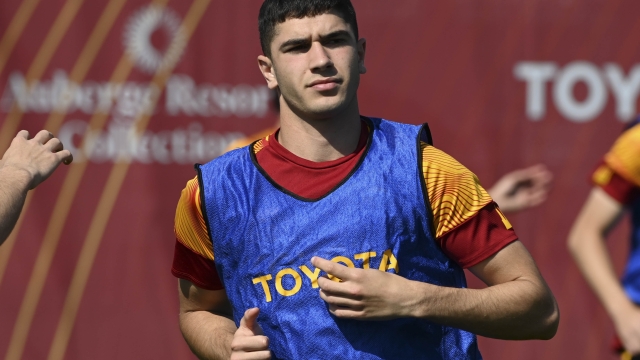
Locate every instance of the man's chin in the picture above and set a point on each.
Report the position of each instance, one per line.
(327, 109)
(325, 112)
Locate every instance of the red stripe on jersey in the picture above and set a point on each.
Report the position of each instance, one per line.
(195, 268)
(620, 189)
(478, 238)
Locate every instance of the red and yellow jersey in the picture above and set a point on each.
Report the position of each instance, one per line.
(468, 225)
(618, 174)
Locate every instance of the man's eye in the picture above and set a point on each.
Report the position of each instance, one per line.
(338, 41)
(299, 48)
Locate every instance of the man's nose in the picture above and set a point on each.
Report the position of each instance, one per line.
(319, 57)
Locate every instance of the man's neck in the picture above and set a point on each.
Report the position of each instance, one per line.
(320, 140)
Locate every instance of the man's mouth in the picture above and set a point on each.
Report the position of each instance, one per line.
(325, 84)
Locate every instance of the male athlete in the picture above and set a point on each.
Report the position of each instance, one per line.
(24, 165)
(342, 236)
(616, 190)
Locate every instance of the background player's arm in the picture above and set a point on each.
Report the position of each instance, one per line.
(521, 189)
(517, 304)
(586, 242)
(25, 164)
(207, 327)
(14, 185)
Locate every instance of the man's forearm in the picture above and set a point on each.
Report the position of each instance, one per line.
(14, 185)
(208, 335)
(592, 257)
(515, 310)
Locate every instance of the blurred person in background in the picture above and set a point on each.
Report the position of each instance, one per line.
(616, 190)
(26, 164)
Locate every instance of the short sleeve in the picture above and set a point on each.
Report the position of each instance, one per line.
(618, 174)
(469, 226)
(454, 192)
(193, 254)
(624, 156)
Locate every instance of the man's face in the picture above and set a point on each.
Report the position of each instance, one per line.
(316, 63)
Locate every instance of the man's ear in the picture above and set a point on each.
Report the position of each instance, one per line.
(267, 70)
(362, 48)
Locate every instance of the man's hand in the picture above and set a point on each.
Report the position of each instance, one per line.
(522, 189)
(37, 157)
(627, 324)
(249, 341)
(364, 294)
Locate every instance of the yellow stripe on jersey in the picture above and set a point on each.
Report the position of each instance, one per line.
(602, 175)
(454, 192)
(190, 228)
(259, 145)
(506, 222)
(624, 156)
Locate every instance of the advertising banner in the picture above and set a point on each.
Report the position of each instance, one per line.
(142, 90)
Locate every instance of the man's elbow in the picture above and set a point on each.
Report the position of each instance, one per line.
(549, 323)
(546, 316)
(542, 315)
(577, 237)
(573, 242)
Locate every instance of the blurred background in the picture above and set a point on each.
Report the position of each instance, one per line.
(142, 90)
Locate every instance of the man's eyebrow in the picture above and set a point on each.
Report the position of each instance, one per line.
(293, 43)
(335, 34)
(305, 41)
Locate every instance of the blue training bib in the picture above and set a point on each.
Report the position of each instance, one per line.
(378, 217)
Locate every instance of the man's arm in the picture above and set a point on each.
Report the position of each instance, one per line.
(25, 164)
(517, 304)
(586, 242)
(207, 327)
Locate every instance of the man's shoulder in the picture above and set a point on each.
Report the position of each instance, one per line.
(378, 121)
(624, 156)
(230, 157)
(432, 156)
(401, 129)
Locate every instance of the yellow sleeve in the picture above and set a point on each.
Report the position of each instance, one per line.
(190, 227)
(454, 192)
(624, 156)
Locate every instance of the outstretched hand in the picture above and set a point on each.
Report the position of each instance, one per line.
(249, 341)
(38, 157)
(364, 294)
(522, 189)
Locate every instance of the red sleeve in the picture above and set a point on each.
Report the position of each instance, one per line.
(193, 257)
(195, 268)
(620, 189)
(481, 236)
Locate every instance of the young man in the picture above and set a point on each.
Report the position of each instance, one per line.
(341, 236)
(616, 190)
(25, 164)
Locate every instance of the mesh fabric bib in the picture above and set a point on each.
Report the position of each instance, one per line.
(264, 238)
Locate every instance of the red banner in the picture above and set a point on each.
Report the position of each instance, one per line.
(141, 90)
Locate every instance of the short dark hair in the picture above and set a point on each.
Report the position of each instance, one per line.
(274, 12)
